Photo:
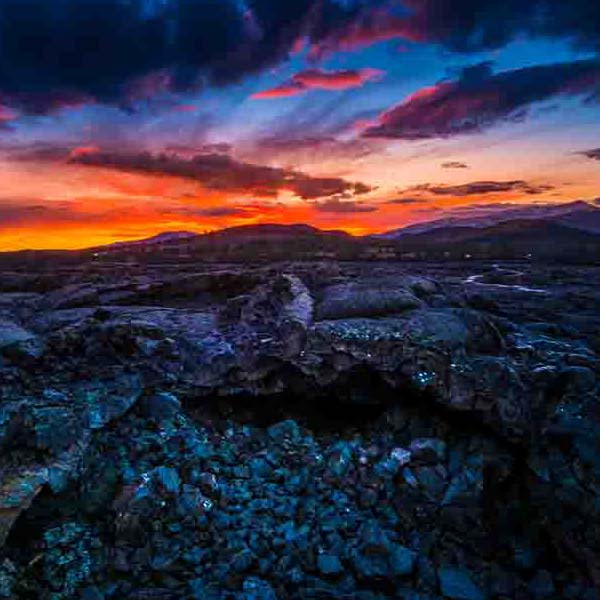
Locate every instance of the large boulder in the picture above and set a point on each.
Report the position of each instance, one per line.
(17, 342)
(365, 300)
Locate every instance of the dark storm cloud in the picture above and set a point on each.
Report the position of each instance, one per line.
(477, 188)
(594, 154)
(467, 25)
(479, 99)
(225, 173)
(56, 53)
(61, 53)
(335, 205)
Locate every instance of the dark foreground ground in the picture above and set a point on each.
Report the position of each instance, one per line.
(303, 430)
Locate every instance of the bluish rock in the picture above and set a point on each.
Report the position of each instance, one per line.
(242, 561)
(285, 430)
(340, 459)
(542, 586)
(402, 560)
(329, 564)
(162, 405)
(371, 566)
(428, 449)
(91, 593)
(458, 584)
(197, 589)
(408, 594)
(254, 588)
(168, 478)
(432, 480)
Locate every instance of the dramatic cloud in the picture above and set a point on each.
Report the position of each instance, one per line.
(335, 205)
(477, 188)
(479, 99)
(454, 165)
(317, 79)
(118, 52)
(466, 25)
(6, 116)
(490, 206)
(20, 213)
(224, 173)
(311, 150)
(212, 212)
(594, 154)
(405, 201)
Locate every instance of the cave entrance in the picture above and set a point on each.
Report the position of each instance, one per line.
(357, 402)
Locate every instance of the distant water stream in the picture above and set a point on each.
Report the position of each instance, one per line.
(504, 274)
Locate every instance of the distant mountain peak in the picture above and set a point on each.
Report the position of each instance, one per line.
(577, 214)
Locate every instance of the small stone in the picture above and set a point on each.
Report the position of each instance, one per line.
(197, 589)
(168, 478)
(255, 588)
(92, 593)
(428, 449)
(242, 561)
(285, 430)
(401, 456)
(402, 560)
(542, 586)
(329, 564)
(208, 483)
(458, 584)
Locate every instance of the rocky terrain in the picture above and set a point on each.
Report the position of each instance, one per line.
(300, 430)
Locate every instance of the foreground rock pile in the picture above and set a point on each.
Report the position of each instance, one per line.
(300, 431)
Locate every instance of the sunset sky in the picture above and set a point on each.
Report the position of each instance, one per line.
(120, 119)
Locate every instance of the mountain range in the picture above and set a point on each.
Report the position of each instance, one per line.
(569, 230)
(577, 215)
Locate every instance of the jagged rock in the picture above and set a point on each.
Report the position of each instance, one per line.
(162, 405)
(17, 492)
(18, 343)
(428, 450)
(347, 457)
(72, 296)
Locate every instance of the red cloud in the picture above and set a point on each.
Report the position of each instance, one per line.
(321, 80)
(83, 151)
(284, 90)
(377, 26)
(6, 115)
(480, 98)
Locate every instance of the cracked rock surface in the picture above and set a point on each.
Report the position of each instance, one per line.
(300, 430)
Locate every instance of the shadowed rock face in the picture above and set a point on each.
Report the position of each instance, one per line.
(299, 431)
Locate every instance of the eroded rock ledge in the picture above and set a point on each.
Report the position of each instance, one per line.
(301, 431)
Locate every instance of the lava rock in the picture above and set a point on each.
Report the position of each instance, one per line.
(329, 565)
(458, 584)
